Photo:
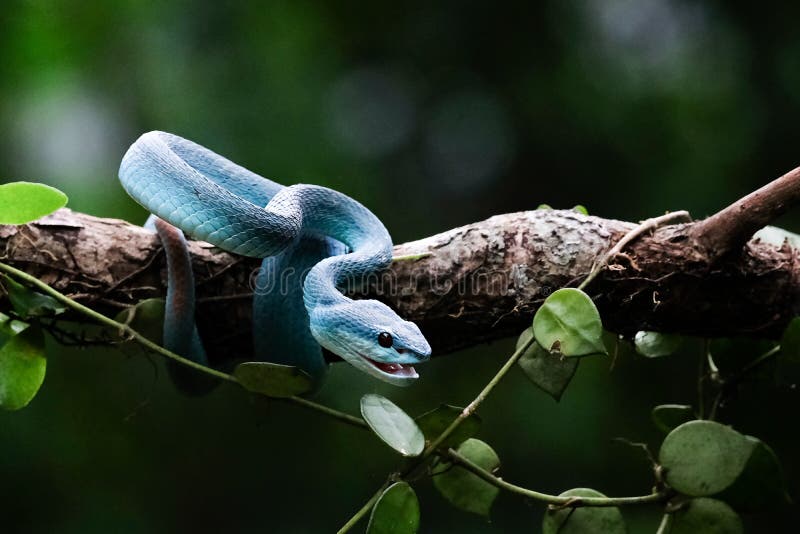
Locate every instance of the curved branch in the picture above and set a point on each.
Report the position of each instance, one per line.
(728, 230)
(469, 285)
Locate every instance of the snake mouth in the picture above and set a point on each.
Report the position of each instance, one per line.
(399, 370)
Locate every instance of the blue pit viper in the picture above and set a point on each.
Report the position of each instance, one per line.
(314, 242)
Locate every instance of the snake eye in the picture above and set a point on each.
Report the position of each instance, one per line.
(385, 340)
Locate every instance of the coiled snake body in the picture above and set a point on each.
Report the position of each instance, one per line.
(297, 229)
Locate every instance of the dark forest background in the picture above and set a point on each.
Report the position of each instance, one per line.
(433, 115)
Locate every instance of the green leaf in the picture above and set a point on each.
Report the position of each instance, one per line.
(544, 207)
(436, 421)
(272, 379)
(668, 416)
(790, 341)
(29, 303)
(580, 209)
(549, 372)
(761, 484)
(463, 489)
(392, 425)
(656, 344)
(568, 323)
(583, 520)
(10, 327)
(776, 236)
(788, 359)
(22, 367)
(23, 202)
(703, 457)
(706, 516)
(396, 512)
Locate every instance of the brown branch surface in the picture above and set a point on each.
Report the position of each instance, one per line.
(477, 283)
(730, 229)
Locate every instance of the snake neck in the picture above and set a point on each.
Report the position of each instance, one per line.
(329, 213)
(329, 279)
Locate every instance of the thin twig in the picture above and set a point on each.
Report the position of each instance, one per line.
(731, 382)
(701, 379)
(346, 418)
(666, 523)
(472, 406)
(102, 319)
(364, 510)
(644, 227)
(554, 500)
(436, 443)
(126, 331)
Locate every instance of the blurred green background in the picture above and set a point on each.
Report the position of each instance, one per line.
(433, 115)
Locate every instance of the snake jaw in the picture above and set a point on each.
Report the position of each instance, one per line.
(395, 370)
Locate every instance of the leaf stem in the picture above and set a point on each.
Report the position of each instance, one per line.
(666, 522)
(701, 378)
(645, 226)
(126, 330)
(102, 319)
(412, 257)
(473, 406)
(341, 416)
(436, 443)
(555, 500)
(738, 377)
(364, 510)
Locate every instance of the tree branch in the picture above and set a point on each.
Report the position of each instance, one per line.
(469, 285)
(729, 230)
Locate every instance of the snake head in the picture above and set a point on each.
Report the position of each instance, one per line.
(373, 338)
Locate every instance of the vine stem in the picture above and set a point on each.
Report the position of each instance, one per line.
(436, 443)
(554, 500)
(341, 416)
(735, 379)
(121, 327)
(353, 521)
(666, 522)
(645, 226)
(126, 330)
(472, 406)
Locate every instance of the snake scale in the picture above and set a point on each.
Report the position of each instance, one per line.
(314, 242)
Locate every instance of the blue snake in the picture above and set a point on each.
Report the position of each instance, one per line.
(314, 242)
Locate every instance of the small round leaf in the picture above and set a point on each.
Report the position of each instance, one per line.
(392, 425)
(22, 368)
(24, 202)
(706, 516)
(656, 344)
(668, 416)
(436, 421)
(396, 512)
(703, 457)
(568, 323)
(463, 489)
(10, 327)
(273, 379)
(549, 372)
(761, 484)
(607, 520)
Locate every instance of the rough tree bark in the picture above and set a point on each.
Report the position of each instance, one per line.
(474, 284)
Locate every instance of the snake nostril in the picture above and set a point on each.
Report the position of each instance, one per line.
(400, 351)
